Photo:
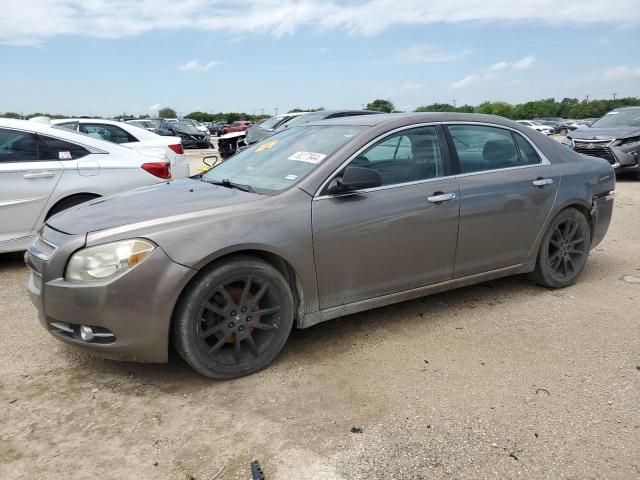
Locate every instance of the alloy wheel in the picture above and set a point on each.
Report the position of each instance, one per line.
(566, 248)
(239, 320)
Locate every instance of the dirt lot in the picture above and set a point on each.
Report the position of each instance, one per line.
(500, 380)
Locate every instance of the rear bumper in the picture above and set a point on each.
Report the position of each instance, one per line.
(136, 308)
(601, 216)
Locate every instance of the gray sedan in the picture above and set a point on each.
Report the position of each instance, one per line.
(317, 222)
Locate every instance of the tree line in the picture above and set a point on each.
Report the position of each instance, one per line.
(547, 107)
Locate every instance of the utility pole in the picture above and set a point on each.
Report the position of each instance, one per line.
(614, 95)
(454, 103)
(276, 111)
(262, 112)
(587, 98)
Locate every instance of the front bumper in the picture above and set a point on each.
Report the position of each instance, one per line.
(135, 308)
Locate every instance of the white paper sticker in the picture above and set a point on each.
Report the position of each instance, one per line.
(309, 157)
(291, 177)
(65, 155)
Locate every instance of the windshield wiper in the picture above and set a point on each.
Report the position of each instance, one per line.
(225, 182)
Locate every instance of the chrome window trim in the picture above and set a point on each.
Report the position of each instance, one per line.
(379, 138)
(543, 159)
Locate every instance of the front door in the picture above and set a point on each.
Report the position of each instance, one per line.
(507, 191)
(392, 238)
(27, 179)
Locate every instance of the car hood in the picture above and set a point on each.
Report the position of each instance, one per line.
(604, 133)
(165, 201)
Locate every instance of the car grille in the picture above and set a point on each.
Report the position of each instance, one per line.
(199, 138)
(596, 148)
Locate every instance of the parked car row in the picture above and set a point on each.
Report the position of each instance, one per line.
(229, 143)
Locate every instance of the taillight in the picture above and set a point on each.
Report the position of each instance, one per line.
(158, 169)
(177, 148)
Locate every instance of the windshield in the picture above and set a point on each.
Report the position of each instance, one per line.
(301, 119)
(279, 162)
(271, 122)
(185, 128)
(619, 118)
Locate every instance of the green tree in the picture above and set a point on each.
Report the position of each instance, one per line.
(10, 115)
(380, 105)
(300, 110)
(502, 109)
(167, 112)
(200, 116)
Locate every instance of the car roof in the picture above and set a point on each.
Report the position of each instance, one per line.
(401, 119)
(62, 133)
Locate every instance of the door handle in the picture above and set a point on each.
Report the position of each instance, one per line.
(541, 182)
(440, 197)
(39, 175)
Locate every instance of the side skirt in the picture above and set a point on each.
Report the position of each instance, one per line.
(314, 318)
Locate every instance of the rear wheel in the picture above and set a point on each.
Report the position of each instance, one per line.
(564, 250)
(234, 319)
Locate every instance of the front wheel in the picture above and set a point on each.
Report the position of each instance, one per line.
(564, 250)
(234, 319)
(563, 131)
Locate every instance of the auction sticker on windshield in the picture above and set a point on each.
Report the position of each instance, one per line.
(309, 157)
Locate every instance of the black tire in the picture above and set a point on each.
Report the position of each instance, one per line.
(563, 131)
(241, 298)
(564, 250)
(69, 202)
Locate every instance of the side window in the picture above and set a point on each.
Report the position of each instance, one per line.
(482, 148)
(406, 156)
(73, 126)
(61, 150)
(528, 154)
(110, 133)
(16, 146)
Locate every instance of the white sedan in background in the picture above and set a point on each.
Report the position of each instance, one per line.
(132, 136)
(44, 170)
(547, 130)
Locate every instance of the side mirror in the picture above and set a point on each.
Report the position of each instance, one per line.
(355, 178)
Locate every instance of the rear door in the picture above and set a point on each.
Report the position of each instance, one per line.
(28, 176)
(507, 190)
(391, 238)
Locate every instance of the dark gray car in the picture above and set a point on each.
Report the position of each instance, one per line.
(324, 220)
(614, 137)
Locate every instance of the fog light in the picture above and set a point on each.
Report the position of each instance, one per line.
(86, 333)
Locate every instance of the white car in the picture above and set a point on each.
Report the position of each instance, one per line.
(44, 170)
(547, 130)
(132, 136)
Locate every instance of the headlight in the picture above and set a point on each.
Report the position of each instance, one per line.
(108, 260)
(568, 141)
(630, 142)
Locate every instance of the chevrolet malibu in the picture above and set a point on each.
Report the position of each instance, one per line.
(320, 221)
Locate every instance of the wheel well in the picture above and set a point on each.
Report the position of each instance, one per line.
(587, 214)
(272, 259)
(87, 195)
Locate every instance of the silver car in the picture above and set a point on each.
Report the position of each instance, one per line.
(317, 222)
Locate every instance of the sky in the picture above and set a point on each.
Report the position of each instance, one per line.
(107, 57)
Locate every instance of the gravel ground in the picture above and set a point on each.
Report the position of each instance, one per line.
(500, 380)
